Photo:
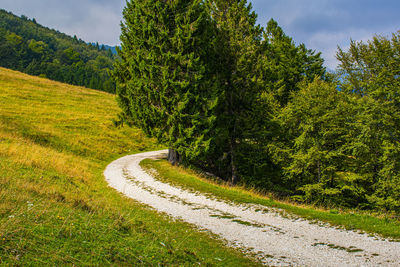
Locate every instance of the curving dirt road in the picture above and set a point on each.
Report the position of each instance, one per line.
(277, 238)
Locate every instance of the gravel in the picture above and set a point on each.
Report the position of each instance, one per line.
(275, 237)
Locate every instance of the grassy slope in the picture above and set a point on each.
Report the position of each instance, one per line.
(351, 220)
(56, 208)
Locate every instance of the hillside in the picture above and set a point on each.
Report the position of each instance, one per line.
(32, 48)
(56, 207)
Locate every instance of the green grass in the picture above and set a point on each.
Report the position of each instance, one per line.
(350, 220)
(55, 206)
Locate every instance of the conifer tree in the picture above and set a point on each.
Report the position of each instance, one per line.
(286, 64)
(164, 82)
(199, 77)
(238, 46)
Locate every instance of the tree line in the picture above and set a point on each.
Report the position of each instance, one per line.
(249, 105)
(31, 48)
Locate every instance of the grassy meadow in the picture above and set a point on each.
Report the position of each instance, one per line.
(55, 206)
(350, 219)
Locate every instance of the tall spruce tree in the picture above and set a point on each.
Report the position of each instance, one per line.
(238, 46)
(164, 78)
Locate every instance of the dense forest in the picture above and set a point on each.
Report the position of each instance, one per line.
(31, 48)
(249, 105)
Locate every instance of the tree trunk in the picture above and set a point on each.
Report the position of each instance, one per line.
(173, 156)
(234, 178)
(232, 140)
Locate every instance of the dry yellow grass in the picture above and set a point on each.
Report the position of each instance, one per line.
(30, 154)
(55, 206)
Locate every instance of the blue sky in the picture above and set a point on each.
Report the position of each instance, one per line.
(320, 24)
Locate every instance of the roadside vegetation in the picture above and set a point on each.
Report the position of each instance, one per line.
(368, 222)
(55, 206)
(251, 106)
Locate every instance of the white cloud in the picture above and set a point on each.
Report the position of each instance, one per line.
(322, 25)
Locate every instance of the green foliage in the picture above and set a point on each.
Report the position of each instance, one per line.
(37, 47)
(29, 47)
(250, 106)
(14, 40)
(314, 120)
(239, 82)
(203, 96)
(287, 64)
(252, 73)
(311, 147)
(370, 74)
(164, 79)
(372, 68)
(341, 147)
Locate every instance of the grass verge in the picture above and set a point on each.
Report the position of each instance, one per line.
(55, 206)
(185, 178)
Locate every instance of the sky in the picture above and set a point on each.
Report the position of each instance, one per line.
(322, 25)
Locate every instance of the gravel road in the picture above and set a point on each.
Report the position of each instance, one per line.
(277, 238)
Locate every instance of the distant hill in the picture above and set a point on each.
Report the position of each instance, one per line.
(34, 49)
(113, 49)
